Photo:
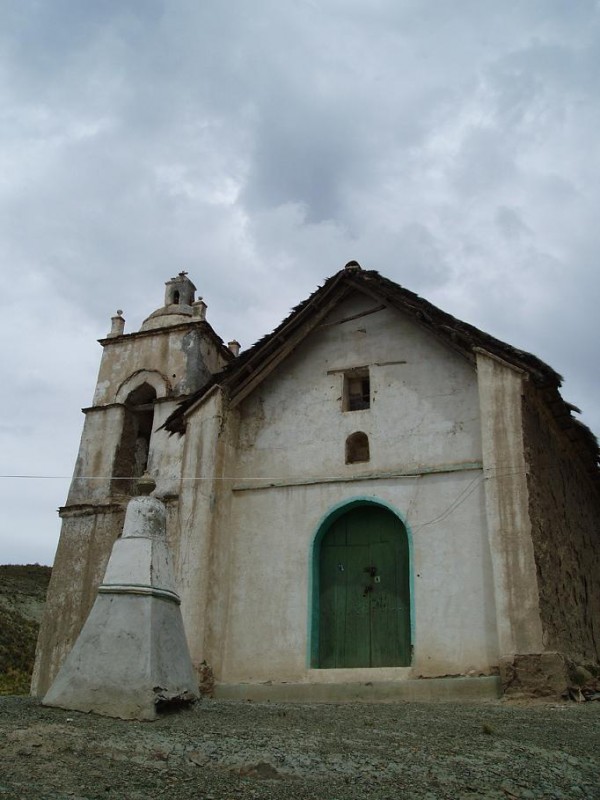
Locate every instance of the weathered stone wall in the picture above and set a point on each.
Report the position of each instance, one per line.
(182, 357)
(173, 361)
(565, 526)
(516, 593)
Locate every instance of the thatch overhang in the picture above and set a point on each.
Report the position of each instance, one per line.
(252, 366)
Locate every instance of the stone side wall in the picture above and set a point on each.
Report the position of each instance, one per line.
(565, 526)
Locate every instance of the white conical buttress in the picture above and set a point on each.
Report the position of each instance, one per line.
(131, 655)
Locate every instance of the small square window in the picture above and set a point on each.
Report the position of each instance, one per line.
(357, 390)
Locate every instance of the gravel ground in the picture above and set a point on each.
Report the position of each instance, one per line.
(217, 749)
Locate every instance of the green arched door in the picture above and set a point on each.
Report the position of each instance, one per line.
(364, 591)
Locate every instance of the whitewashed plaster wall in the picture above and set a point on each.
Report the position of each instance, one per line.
(182, 355)
(99, 442)
(424, 417)
(268, 626)
(173, 361)
(423, 412)
(198, 536)
(94, 466)
(84, 547)
(519, 622)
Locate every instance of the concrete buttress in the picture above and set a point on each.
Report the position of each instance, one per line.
(131, 656)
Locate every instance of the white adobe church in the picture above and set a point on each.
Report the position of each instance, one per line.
(374, 492)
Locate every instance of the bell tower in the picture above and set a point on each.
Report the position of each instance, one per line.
(180, 291)
(143, 376)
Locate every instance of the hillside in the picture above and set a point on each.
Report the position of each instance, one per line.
(22, 597)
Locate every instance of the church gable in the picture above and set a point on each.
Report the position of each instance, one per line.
(248, 370)
(365, 369)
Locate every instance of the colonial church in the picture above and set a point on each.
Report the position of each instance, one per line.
(374, 492)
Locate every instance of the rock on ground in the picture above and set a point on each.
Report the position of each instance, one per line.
(409, 751)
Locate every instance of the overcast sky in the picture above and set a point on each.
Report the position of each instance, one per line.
(453, 146)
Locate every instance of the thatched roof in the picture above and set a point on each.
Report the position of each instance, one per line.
(242, 375)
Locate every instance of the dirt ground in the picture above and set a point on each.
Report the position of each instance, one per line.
(218, 749)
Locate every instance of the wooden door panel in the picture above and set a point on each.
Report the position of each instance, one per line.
(364, 617)
(333, 610)
(388, 646)
(356, 646)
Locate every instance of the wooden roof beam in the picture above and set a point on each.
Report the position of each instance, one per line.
(262, 371)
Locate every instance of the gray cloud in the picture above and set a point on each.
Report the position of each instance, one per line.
(451, 146)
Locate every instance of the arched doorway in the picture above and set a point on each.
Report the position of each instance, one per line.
(364, 590)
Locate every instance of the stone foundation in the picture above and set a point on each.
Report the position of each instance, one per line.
(547, 675)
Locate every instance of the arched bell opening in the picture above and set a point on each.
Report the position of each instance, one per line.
(133, 452)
